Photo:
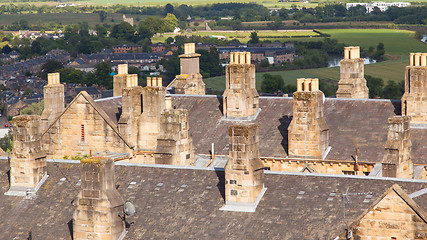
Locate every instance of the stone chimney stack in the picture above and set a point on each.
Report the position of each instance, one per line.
(98, 203)
(119, 80)
(54, 101)
(308, 133)
(153, 105)
(352, 82)
(190, 81)
(174, 145)
(27, 161)
(240, 98)
(131, 109)
(244, 171)
(397, 158)
(414, 100)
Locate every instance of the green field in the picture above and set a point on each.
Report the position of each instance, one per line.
(272, 3)
(64, 18)
(398, 43)
(386, 70)
(244, 36)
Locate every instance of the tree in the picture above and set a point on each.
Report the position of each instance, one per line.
(50, 66)
(102, 16)
(101, 31)
(133, 70)
(169, 8)
(254, 38)
(393, 90)
(272, 83)
(264, 63)
(6, 49)
(375, 86)
(103, 74)
(170, 22)
(6, 142)
(34, 109)
(169, 40)
(123, 31)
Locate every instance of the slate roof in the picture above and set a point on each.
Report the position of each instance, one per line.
(361, 123)
(184, 204)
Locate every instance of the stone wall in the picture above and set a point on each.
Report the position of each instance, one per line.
(131, 109)
(397, 160)
(174, 145)
(54, 101)
(119, 80)
(241, 99)
(27, 161)
(244, 174)
(190, 81)
(391, 218)
(308, 132)
(82, 130)
(352, 82)
(153, 106)
(320, 166)
(414, 100)
(98, 202)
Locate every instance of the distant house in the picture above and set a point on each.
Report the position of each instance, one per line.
(158, 47)
(125, 48)
(272, 54)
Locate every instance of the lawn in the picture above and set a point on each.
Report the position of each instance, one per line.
(270, 3)
(396, 42)
(244, 36)
(392, 70)
(64, 18)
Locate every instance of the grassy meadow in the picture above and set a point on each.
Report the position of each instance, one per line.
(244, 36)
(398, 44)
(64, 18)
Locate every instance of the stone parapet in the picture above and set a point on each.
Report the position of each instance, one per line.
(352, 82)
(120, 80)
(98, 202)
(28, 160)
(54, 100)
(397, 160)
(174, 145)
(414, 100)
(240, 98)
(308, 132)
(244, 174)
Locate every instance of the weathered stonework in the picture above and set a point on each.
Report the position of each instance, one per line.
(98, 202)
(131, 109)
(153, 106)
(174, 145)
(241, 99)
(397, 158)
(190, 81)
(308, 133)
(393, 216)
(83, 129)
(318, 166)
(119, 80)
(54, 101)
(414, 100)
(352, 82)
(27, 161)
(244, 174)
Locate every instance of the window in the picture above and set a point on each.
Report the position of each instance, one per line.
(348, 172)
(82, 136)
